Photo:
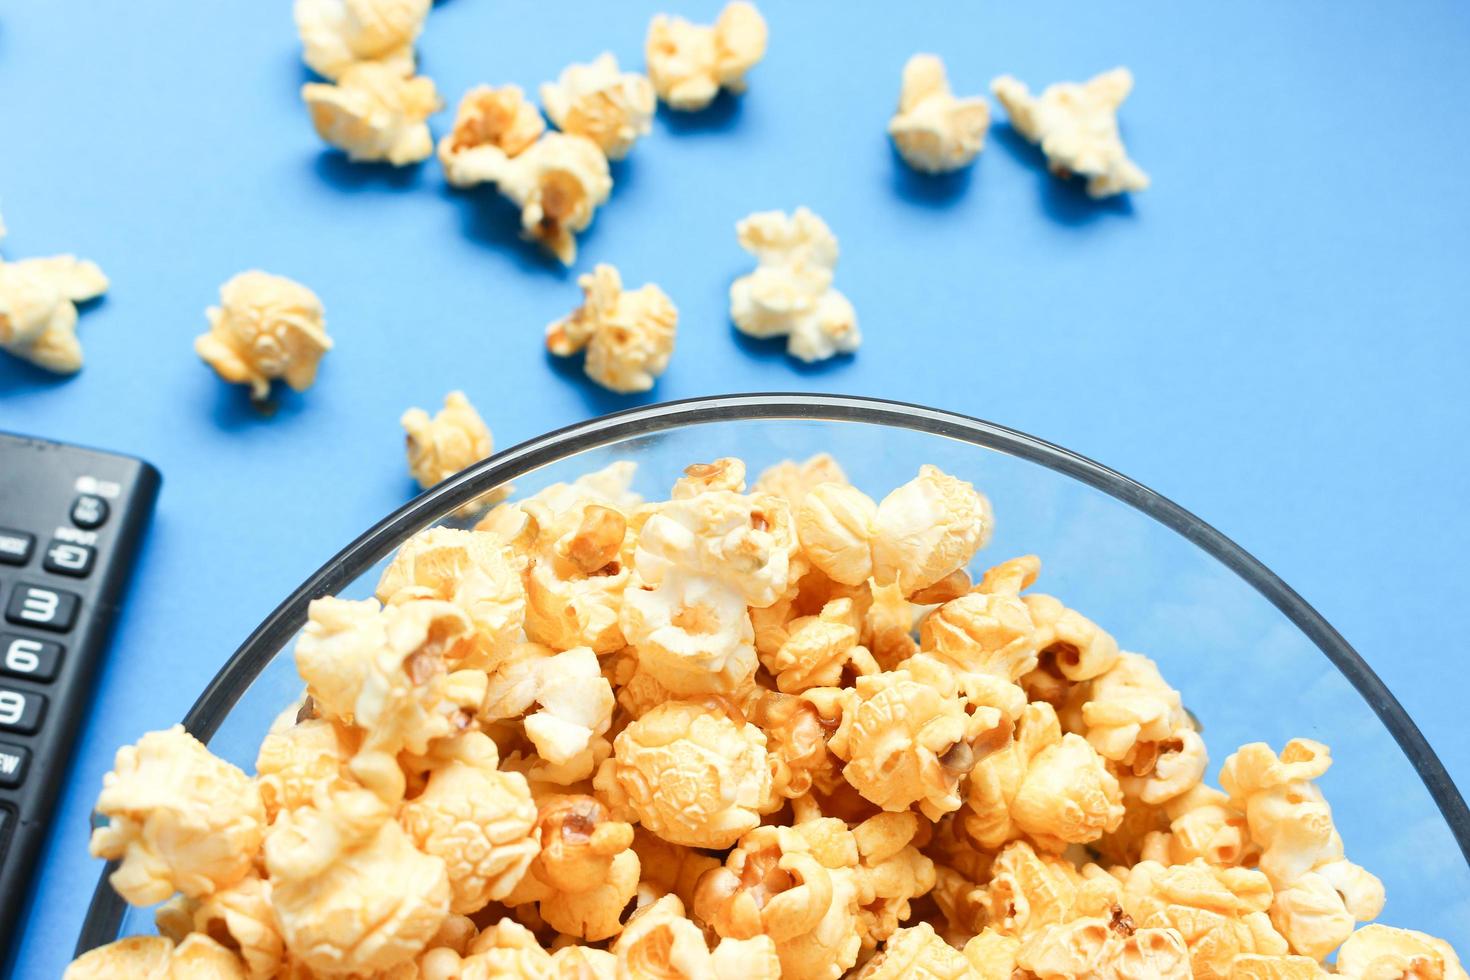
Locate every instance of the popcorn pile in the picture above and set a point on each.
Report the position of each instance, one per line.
(732, 735)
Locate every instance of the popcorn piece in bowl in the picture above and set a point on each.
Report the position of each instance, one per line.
(907, 737)
(1319, 895)
(473, 570)
(38, 312)
(1077, 128)
(383, 670)
(558, 182)
(156, 956)
(491, 125)
(628, 334)
(596, 100)
(792, 480)
(790, 293)
(586, 871)
(375, 114)
(179, 819)
(477, 819)
(351, 892)
(692, 634)
(1375, 952)
(336, 34)
(689, 772)
(690, 63)
(266, 327)
(439, 447)
(917, 952)
(239, 917)
(921, 533)
(934, 131)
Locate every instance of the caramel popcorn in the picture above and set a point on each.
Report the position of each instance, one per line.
(1319, 895)
(746, 542)
(934, 131)
(491, 125)
(1253, 966)
(373, 113)
(152, 957)
(38, 308)
(1386, 953)
(628, 335)
(451, 440)
(691, 634)
(266, 327)
(1098, 947)
(477, 819)
(790, 292)
(586, 869)
(178, 819)
(576, 710)
(819, 649)
(690, 63)
(921, 533)
(732, 735)
(381, 669)
(1136, 720)
(1051, 787)
(336, 34)
(792, 480)
(798, 886)
(1077, 128)
(690, 773)
(295, 759)
(471, 569)
(918, 953)
(907, 738)
(1220, 912)
(351, 892)
(558, 182)
(595, 100)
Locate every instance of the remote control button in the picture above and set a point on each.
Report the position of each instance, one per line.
(15, 546)
(21, 711)
(89, 511)
(13, 763)
(65, 558)
(43, 608)
(34, 660)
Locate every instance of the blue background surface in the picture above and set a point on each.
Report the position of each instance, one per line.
(1274, 335)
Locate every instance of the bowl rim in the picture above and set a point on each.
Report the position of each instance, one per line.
(105, 912)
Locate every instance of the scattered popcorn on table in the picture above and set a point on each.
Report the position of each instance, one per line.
(374, 114)
(595, 100)
(1077, 128)
(38, 308)
(934, 131)
(491, 125)
(790, 293)
(558, 182)
(690, 63)
(732, 735)
(439, 447)
(266, 327)
(628, 335)
(336, 34)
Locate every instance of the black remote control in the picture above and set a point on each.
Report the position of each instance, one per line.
(71, 520)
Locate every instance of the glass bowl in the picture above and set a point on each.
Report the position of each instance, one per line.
(1254, 661)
